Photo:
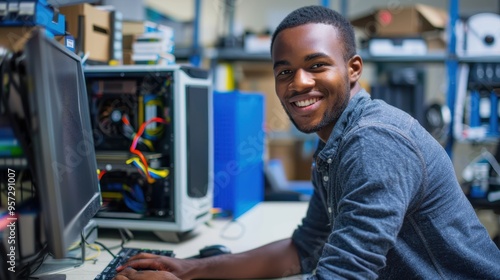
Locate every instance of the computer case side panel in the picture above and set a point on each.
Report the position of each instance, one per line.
(193, 147)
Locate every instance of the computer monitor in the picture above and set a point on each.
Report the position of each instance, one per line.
(63, 149)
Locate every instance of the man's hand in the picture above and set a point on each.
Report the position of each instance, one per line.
(132, 274)
(148, 262)
(269, 261)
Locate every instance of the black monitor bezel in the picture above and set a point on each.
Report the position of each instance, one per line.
(59, 236)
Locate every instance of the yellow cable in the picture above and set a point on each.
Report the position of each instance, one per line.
(148, 143)
(115, 195)
(97, 254)
(161, 173)
(93, 246)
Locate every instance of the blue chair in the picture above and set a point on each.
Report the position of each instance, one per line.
(282, 189)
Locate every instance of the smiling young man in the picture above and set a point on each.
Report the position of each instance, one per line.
(386, 204)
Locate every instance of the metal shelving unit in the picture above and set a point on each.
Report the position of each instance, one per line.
(452, 64)
(448, 57)
(451, 67)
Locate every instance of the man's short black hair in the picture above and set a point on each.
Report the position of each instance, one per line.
(320, 14)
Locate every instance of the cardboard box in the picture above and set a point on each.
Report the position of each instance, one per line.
(14, 38)
(127, 49)
(436, 40)
(258, 77)
(91, 28)
(133, 27)
(402, 21)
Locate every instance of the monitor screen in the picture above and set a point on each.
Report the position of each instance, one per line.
(64, 157)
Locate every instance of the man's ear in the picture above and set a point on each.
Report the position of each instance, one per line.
(355, 67)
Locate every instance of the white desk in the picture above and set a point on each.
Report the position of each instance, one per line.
(264, 223)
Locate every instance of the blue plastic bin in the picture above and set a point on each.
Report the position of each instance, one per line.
(238, 151)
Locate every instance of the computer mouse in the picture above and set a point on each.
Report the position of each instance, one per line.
(213, 250)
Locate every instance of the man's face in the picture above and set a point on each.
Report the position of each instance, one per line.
(311, 76)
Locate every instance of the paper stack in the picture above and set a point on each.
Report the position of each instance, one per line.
(155, 46)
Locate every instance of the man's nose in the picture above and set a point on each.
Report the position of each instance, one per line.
(302, 80)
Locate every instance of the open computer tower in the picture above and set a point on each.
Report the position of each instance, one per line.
(153, 136)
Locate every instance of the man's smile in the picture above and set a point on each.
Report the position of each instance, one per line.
(305, 103)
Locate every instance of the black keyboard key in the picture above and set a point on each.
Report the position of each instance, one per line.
(125, 253)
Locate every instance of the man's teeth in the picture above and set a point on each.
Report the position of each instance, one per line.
(305, 103)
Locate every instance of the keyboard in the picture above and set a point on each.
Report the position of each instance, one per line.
(125, 253)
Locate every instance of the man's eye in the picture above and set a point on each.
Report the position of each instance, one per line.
(317, 65)
(284, 72)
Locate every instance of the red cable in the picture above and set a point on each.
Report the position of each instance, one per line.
(134, 144)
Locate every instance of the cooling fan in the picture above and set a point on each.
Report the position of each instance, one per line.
(110, 115)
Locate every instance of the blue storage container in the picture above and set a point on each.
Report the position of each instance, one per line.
(238, 151)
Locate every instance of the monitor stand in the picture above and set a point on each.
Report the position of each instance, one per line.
(51, 268)
(52, 277)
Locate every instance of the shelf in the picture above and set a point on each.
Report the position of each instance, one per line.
(484, 141)
(425, 58)
(484, 59)
(240, 54)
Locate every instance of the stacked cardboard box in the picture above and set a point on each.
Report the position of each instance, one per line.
(91, 29)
